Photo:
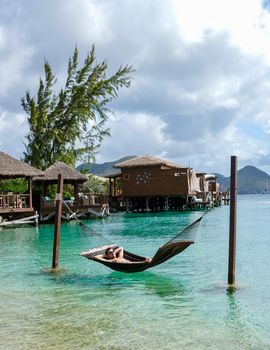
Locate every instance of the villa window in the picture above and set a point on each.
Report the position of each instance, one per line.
(180, 174)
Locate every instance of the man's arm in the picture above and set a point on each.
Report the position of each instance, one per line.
(119, 252)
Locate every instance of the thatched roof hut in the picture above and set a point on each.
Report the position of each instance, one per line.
(11, 168)
(70, 175)
(147, 161)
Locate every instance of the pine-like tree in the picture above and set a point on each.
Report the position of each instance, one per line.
(58, 122)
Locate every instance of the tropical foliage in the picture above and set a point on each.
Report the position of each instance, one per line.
(19, 185)
(95, 185)
(76, 115)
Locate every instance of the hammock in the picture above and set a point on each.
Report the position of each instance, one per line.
(137, 263)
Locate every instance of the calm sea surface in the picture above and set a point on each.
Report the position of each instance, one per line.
(181, 304)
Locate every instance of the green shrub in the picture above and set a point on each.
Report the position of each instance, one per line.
(18, 185)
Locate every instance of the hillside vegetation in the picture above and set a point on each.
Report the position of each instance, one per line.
(103, 169)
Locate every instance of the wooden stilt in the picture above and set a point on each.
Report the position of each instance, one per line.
(127, 205)
(167, 203)
(233, 209)
(36, 218)
(147, 204)
(57, 228)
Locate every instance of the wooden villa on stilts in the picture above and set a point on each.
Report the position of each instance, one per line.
(152, 184)
(210, 189)
(79, 204)
(17, 207)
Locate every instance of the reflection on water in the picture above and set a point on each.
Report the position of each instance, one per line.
(233, 317)
(237, 323)
(160, 285)
(181, 304)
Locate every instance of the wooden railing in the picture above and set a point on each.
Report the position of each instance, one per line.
(82, 200)
(93, 199)
(14, 201)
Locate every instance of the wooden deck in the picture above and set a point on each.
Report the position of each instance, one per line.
(15, 203)
(86, 205)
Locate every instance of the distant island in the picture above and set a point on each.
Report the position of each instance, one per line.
(251, 180)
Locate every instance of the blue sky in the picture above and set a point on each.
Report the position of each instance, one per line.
(200, 91)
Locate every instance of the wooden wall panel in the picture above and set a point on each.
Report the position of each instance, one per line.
(154, 181)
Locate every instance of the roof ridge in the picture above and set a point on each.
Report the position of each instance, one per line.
(146, 160)
(69, 173)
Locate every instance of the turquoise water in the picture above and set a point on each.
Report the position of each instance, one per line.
(181, 304)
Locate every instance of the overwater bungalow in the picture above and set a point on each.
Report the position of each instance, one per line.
(152, 184)
(16, 205)
(210, 189)
(81, 204)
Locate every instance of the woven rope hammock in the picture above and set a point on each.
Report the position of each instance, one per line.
(136, 263)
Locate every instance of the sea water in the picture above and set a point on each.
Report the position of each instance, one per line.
(181, 304)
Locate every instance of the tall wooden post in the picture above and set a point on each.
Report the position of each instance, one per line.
(110, 187)
(114, 187)
(233, 210)
(57, 227)
(30, 192)
(76, 193)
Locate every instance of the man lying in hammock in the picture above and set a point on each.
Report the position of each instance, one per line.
(117, 255)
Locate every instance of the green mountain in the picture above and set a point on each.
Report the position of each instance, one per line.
(102, 169)
(224, 181)
(251, 180)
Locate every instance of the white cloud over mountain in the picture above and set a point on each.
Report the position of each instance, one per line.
(202, 80)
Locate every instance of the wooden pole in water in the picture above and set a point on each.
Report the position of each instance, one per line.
(233, 210)
(57, 227)
(36, 218)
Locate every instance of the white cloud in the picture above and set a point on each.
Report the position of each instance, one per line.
(138, 134)
(15, 56)
(2, 38)
(202, 72)
(245, 20)
(13, 130)
(135, 134)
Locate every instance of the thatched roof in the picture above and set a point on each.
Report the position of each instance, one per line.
(146, 161)
(12, 167)
(69, 174)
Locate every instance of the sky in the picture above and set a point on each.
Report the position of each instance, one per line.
(201, 87)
